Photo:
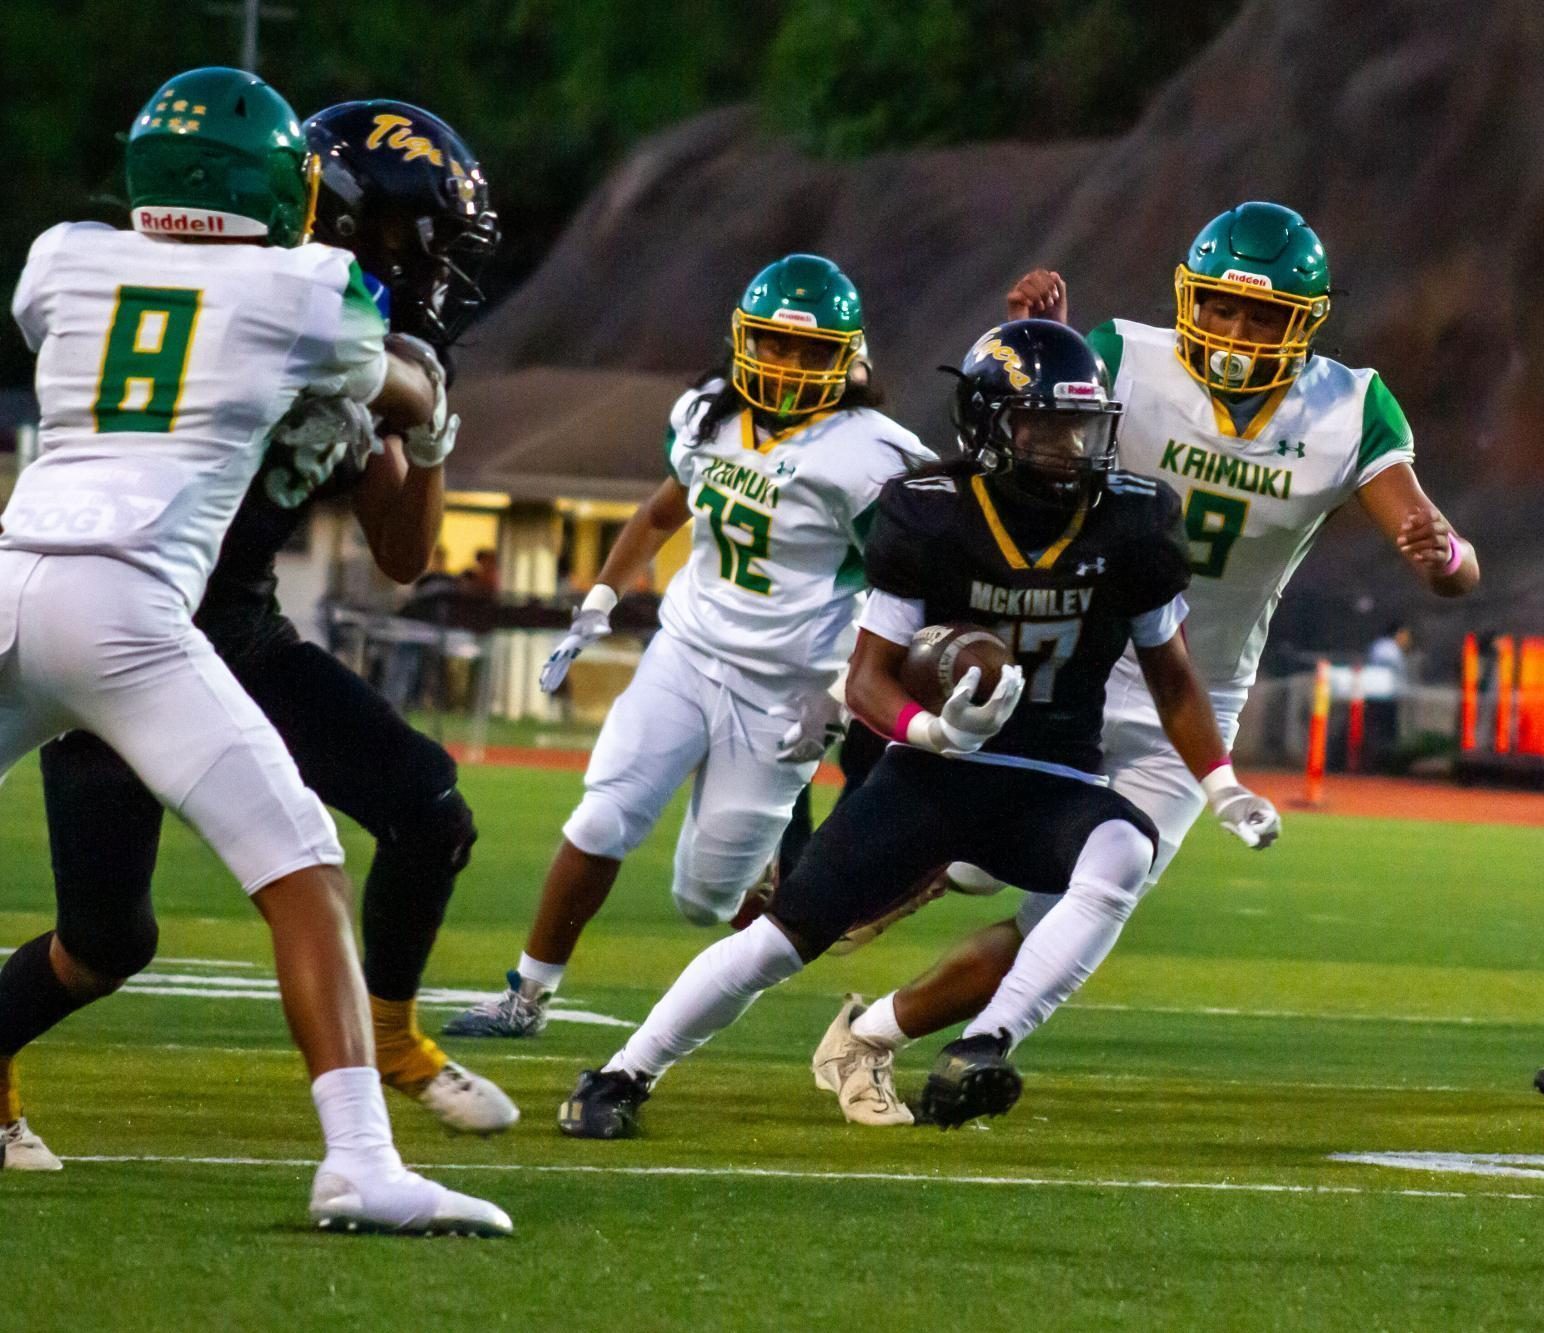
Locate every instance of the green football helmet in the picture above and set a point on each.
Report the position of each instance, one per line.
(218, 153)
(1262, 252)
(810, 311)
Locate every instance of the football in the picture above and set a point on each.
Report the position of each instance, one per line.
(939, 655)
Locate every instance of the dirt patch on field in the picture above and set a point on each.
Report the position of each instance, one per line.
(1368, 798)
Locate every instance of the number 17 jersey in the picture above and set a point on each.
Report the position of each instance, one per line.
(779, 522)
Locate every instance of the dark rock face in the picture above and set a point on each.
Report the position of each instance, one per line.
(1410, 133)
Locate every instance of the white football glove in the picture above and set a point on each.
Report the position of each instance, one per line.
(319, 431)
(1250, 818)
(428, 445)
(818, 723)
(592, 621)
(964, 727)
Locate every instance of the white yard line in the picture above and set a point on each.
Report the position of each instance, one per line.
(1515, 1166)
(843, 1177)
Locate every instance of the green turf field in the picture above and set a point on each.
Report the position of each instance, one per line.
(1363, 988)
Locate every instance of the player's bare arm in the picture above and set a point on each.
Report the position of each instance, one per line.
(874, 690)
(399, 509)
(1403, 512)
(406, 398)
(651, 526)
(653, 523)
(1039, 294)
(1184, 707)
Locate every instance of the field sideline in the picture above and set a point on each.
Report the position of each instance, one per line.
(1179, 1159)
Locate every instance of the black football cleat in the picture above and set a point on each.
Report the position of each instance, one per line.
(603, 1105)
(970, 1078)
(1538, 1080)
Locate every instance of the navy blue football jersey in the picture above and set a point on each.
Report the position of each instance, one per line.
(1060, 589)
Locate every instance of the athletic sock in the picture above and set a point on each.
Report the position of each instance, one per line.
(718, 985)
(355, 1126)
(10, 1096)
(1074, 937)
(538, 978)
(407, 1059)
(877, 1026)
(32, 1000)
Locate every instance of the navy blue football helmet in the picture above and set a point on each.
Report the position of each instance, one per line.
(1032, 407)
(402, 191)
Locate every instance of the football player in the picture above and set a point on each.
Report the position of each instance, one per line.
(1263, 438)
(776, 463)
(1068, 560)
(400, 190)
(166, 354)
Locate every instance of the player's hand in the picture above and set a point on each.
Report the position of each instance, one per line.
(1248, 817)
(319, 431)
(967, 726)
(428, 445)
(1040, 294)
(1426, 539)
(592, 621)
(818, 723)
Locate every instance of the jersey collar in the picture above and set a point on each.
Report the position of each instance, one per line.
(748, 431)
(1258, 422)
(1041, 560)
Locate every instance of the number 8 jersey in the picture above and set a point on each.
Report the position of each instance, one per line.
(162, 367)
(779, 522)
(1254, 500)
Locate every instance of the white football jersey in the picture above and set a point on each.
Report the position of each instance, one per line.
(770, 588)
(1254, 502)
(161, 369)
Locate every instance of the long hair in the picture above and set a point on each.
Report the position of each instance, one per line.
(727, 401)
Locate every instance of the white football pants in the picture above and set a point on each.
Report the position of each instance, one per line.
(91, 642)
(670, 721)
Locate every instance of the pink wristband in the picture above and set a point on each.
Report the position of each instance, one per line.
(903, 720)
(1221, 763)
(1455, 554)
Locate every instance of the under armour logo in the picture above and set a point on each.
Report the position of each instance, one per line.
(1283, 447)
(783, 469)
(1094, 566)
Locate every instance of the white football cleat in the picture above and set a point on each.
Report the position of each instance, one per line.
(398, 1202)
(22, 1150)
(861, 1074)
(466, 1102)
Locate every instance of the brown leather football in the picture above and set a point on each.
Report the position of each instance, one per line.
(940, 655)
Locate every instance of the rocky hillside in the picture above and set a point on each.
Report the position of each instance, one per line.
(1405, 130)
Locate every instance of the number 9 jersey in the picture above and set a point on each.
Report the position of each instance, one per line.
(779, 523)
(1254, 500)
(161, 369)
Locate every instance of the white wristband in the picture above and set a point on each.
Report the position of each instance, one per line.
(1217, 780)
(600, 598)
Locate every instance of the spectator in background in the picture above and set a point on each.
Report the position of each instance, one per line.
(1391, 649)
(483, 576)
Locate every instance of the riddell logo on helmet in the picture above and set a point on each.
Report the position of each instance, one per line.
(195, 222)
(1248, 279)
(787, 316)
(1075, 389)
(181, 223)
